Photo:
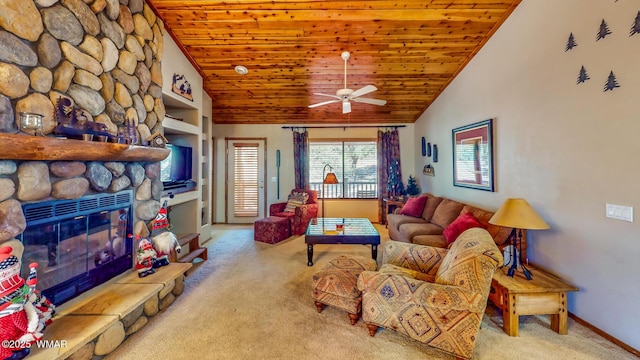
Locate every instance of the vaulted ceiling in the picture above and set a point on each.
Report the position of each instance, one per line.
(410, 50)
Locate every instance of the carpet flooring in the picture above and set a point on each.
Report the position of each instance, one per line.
(252, 300)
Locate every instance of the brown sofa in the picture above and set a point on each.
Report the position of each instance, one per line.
(437, 214)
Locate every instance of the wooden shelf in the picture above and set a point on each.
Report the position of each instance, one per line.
(26, 147)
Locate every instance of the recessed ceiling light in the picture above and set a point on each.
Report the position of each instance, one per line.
(241, 70)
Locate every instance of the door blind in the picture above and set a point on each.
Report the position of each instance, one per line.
(245, 190)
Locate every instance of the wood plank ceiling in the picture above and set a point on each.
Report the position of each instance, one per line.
(410, 50)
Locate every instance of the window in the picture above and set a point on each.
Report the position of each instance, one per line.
(245, 179)
(355, 164)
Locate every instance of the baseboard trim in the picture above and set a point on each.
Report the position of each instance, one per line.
(593, 328)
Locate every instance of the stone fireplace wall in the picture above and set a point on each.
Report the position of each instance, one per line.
(105, 57)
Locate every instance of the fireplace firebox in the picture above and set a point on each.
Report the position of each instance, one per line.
(78, 244)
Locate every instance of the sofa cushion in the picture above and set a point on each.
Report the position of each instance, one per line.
(396, 220)
(447, 211)
(430, 240)
(462, 223)
(414, 206)
(499, 234)
(430, 206)
(409, 230)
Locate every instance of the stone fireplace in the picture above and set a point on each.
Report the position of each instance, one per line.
(104, 58)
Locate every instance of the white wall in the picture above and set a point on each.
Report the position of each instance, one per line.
(282, 139)
(567, 148)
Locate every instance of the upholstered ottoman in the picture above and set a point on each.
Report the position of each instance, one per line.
(336, 284)
(272, 229)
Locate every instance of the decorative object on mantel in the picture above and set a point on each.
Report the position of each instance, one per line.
(73, 123)
(31, 122)
(157, 140)
(611, 83)
(434, 154)
(429, 170)
(181, 86)
(583, 76)
(517, 214)
(128, 133)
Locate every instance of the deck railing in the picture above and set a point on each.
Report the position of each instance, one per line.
(352, 190)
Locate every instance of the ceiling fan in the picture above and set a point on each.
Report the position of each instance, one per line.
(347, 95)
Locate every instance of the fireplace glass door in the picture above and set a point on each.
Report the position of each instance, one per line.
(78, 252)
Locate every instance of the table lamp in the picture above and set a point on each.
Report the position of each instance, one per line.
(518, 215)
(330, 178)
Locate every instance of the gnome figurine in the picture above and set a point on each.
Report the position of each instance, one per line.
(163, 240)
(24, 313)
(145, 257)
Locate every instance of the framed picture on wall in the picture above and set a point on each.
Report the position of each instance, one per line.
(473, 155)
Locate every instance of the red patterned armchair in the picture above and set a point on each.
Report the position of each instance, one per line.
(433, 295)
(298, 212)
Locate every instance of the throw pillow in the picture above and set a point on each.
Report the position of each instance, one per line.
(463, 223)
(414, 206)
(296, 199)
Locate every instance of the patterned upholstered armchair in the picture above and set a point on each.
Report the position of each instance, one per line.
(301, 214)
(433, 295)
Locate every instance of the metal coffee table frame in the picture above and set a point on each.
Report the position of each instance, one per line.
(355, 231)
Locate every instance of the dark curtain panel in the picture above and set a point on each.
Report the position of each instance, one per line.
(301, 158)
(388, 152)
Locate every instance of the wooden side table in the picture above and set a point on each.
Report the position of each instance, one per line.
(390, 205)
(543, 294)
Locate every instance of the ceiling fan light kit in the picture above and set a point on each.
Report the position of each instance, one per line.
(346, 95)
(241, 70)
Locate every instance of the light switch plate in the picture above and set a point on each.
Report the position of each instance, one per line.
(619, 212)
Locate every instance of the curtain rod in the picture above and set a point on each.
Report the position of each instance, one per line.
(343, 126)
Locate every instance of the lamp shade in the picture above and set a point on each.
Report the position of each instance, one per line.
(518, 214)
(330, 178)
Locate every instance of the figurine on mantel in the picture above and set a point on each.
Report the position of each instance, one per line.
(163, 239)
(72, 121)
(24, 312)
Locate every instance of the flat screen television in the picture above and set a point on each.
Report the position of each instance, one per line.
(176, 168)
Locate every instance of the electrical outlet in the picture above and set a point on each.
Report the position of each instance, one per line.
(274, 179)
(619, 212)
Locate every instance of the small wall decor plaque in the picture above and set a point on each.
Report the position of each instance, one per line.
(428, 170)
(424, 147)
(181, 86)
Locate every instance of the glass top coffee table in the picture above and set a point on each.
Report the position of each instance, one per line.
(354, 231)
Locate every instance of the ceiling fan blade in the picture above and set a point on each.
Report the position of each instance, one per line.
(362, 91)
(324, 103)
(370, 101)
(346, 107)
(328, 95)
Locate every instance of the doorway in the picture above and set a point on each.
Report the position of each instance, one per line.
(245, 178)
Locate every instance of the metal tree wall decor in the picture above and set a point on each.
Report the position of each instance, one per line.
(611, 83)
(583, 76)
(603, 31)
(571, 43)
